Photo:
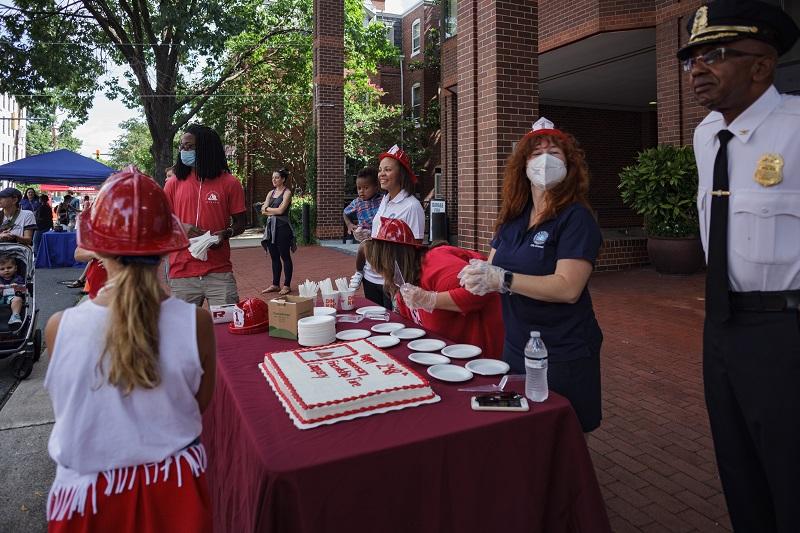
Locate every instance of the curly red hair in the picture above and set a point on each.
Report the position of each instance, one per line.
(517, 187)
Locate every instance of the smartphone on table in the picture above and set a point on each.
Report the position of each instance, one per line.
(499, 401)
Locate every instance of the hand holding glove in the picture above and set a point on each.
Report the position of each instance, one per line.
(480, 277)
(417, 298)
(361, 234)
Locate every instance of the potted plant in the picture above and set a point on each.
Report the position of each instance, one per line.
(662, 187)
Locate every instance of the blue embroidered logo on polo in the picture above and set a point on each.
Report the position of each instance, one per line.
(539, 239)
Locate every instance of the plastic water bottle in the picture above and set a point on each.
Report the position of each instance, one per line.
(536, 368)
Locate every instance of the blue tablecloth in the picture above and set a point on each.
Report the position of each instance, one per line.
(57, 249)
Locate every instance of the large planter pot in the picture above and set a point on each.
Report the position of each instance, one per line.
(675, 255)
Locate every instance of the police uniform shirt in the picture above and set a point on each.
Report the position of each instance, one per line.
(567, 329)
(764, 221)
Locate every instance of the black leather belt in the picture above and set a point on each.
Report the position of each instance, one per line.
(762, 301)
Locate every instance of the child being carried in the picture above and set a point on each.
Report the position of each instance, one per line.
(14, 288)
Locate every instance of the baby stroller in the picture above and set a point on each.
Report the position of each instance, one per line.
(22, 341)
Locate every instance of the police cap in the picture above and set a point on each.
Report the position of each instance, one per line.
(724, 21)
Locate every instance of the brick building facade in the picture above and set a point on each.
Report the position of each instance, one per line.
(604, 70)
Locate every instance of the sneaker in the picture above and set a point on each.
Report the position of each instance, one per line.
(355, 281)
(15, 320)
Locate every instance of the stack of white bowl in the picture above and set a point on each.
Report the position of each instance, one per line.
(316, 330)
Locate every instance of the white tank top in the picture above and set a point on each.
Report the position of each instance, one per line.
(97, 426)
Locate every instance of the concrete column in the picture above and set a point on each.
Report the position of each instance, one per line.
(329, 115)
(497, 102)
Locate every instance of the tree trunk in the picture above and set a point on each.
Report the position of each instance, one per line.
(159, 116)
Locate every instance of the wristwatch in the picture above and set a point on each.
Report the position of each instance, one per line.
(508, 278)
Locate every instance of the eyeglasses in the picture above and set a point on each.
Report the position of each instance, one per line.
(718, 55)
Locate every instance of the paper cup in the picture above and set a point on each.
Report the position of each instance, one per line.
(331, 300)
(347, 299)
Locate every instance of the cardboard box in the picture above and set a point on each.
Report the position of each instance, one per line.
(222, 314)
(284, 312)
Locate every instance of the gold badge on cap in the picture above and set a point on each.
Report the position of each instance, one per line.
(700, 20)
(769, 170)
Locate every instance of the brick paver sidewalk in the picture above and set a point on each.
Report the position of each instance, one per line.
(653, 452)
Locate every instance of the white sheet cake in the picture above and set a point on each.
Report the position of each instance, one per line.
(341, 382)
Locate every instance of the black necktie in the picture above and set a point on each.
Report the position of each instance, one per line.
(718, 304)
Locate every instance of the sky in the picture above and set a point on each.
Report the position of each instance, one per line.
(102, 126)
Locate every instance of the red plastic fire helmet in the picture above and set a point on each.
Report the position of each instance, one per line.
(396, 153)
(397, 231)
(250, 316)
(131, 216)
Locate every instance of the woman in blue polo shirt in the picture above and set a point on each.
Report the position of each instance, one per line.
(545, 245)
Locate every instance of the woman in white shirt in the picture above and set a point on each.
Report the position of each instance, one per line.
(398, 180)
(18, 224)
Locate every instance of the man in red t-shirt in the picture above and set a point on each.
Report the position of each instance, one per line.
(205, 197)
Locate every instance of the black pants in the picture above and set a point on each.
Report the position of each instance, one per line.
(751, 370)
(376, 294)
(281, 251)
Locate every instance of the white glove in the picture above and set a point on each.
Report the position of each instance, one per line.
(198, 246)
(417, 298)
(480, 277)
(362, 234)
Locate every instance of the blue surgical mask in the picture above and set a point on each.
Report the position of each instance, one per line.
(188, 157)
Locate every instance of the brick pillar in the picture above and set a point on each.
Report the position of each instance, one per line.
(329, 115)
(497, 102)
(678, 112)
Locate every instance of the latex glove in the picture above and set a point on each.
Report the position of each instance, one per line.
(362, 234)
(417, 298)
(198, 246)
(480, 277)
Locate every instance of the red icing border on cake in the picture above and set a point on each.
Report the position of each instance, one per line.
(287, 402)
(423, 382)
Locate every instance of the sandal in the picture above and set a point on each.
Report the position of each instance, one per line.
(271, 288)
(77, 284)
(284, 291)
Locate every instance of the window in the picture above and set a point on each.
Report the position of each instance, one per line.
(450, 18)
(415, 37)
(390, 33)
(416, 101)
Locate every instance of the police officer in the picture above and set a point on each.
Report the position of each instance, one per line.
(748, 159)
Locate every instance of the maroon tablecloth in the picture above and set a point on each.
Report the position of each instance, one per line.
(435, 468)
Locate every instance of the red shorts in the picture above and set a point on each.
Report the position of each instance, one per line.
(158, 506)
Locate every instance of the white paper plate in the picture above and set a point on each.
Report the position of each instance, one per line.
(352, 334)
(426, 345)
(316, 321)
(487, 367)
(384, 341)
(370, 309)
(428, 358)
(387, 327)
(324, 311)
(303, 341)
(461, 351)
(452, 373)
(408, 333)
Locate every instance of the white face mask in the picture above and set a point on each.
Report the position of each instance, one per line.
(546, 171)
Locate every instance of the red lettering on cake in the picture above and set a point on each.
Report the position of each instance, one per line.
(355, 382)
(343, 372)
(317, 370)
(390, 369)
(360, 371)
(366, 358)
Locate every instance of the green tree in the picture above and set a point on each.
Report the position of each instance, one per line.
(133, 147)
(268, 117)
(48, 129)
(175, 53)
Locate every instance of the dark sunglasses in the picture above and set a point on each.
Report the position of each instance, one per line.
(717, 55)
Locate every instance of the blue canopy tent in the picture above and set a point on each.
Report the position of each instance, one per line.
(60, 167)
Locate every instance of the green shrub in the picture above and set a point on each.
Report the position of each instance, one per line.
(662, 187)
(296, 217)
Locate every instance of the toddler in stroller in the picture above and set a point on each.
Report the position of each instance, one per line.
(13, 287)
